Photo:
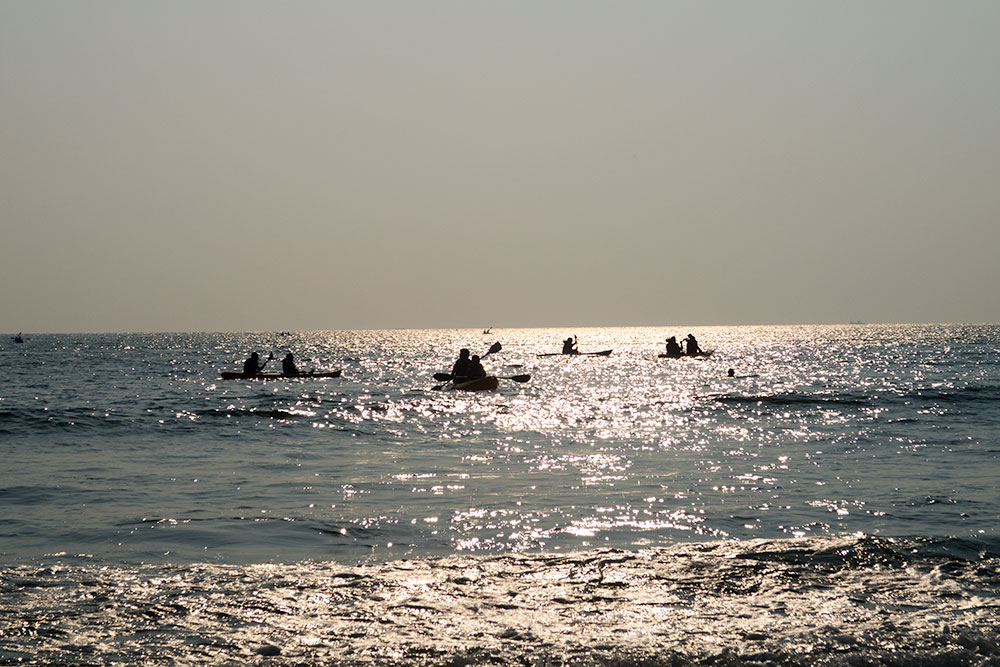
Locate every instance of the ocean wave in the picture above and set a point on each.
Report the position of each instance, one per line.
(947, 396)
(822, 601)
(36, 420)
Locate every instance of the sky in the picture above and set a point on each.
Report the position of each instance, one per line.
(242, 165)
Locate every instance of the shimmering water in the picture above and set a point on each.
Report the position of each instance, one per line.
(837, 499)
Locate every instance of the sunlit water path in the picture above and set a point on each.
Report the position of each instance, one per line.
(856, 459)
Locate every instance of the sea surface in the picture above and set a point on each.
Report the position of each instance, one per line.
(835, 502)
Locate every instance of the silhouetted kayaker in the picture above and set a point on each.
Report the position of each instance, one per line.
(692, 345)
(462, 364)
(288, 366)
(569, 346)
(476, 369)
(252, 365)
(673, 347)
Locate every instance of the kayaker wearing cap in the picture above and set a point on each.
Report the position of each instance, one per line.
(288, 366)
(673, 347)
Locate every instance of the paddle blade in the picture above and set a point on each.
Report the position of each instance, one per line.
(494, 348)
(442, 377)
(520, 378)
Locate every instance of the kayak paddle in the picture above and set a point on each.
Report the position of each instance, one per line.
(446, 377)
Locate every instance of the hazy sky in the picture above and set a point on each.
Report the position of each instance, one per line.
(246, 165)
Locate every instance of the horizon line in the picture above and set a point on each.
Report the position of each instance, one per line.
(486, 330)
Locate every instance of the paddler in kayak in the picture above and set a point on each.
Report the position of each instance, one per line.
(288, 366)
(462, 364)
(252, 365)
(673, 347)
(467, 368)
(569, 346)
(476, 369)
(692, 346)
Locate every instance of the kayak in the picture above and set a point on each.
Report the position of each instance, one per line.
(230, 375)
(602, 353)
(488, 383)
(682, 356)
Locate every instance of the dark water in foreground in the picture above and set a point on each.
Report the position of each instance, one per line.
(836, 503)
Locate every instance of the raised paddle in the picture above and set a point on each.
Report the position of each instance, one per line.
(495, 347)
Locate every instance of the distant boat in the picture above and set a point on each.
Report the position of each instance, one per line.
(18, 339)
(858, 322)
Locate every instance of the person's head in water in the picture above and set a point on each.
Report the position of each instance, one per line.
(732, 372)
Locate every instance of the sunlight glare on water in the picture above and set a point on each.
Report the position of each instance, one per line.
(821, 431)
(833, 502)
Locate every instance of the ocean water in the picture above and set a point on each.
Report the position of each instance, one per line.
(837, 502)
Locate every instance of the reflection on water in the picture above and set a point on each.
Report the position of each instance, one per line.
(821, 601)
(833, 503)
(879, 430)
